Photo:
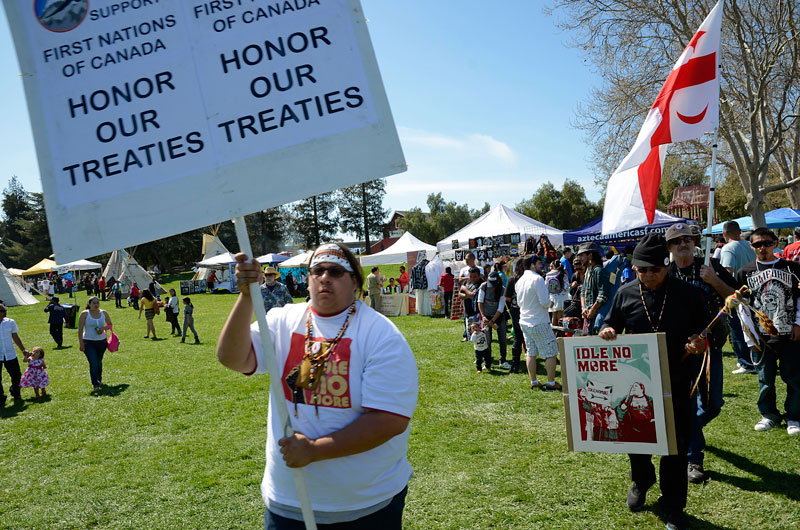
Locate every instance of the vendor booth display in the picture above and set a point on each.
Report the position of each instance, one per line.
(224, 266)
(496, 231)
(592, 231)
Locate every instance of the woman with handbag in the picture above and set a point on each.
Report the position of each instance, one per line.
(92, 326)
(149, 305)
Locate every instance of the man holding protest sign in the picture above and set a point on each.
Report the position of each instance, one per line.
(717, 283)
(351, 380)
(652, 303)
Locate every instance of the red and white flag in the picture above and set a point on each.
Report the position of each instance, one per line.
(686, 107)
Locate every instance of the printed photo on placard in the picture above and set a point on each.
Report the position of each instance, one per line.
(478, 241)
(455, 244)
(506, 238)
(615, 394)
(472, 243)
(515, 238)
(489, 253)
(498, 240)
(513, 250)
(481, 254)
(459, 255)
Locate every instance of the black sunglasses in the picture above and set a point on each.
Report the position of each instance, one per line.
(335, 271)
(651, 270)
(759, 244)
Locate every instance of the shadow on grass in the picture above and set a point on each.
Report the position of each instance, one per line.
(691, 521)
(59, 348)
(111, 390)
(768, 481)
(41, 399)
(12, 408)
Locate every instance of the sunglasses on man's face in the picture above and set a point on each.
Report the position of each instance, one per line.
(334, 271)
(649, 270)
(764, 243)
(679, 240)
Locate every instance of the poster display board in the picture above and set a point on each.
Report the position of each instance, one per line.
(617, 396)
(130, 101)
(193, 287)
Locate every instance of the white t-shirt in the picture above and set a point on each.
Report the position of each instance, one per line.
(372, 368)
(532, 299)
(479, 338)
(7, 350)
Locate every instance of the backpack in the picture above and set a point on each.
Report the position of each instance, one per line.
(553, 285)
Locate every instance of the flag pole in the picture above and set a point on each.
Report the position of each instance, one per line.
(275, 384)
(711, 196)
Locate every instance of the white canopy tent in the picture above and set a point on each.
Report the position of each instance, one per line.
(398, 252)
(498, 221)
(272, 258)
(218, 262)
(301, 260)
(80, 265)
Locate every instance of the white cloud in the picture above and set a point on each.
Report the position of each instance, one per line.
(474, 146)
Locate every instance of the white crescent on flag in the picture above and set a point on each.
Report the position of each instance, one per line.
(686, 107)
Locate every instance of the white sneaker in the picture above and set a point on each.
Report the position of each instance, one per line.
(505, 365)
(793, 427)
(743, 370)
(765, 424)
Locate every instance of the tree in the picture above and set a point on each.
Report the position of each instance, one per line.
(315, 219)
(444, 219)
(677, 174)
(266, 229)
(361, 209)
(566, 209)
(633, 46)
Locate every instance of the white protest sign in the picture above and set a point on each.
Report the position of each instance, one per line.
(153, 117)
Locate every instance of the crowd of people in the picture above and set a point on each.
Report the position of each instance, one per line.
(586, 296)
(351, 378)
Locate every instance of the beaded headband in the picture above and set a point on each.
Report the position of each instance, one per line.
(331, 253)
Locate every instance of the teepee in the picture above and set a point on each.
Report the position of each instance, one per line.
(122, 266)
(212, 247)
(12, 292)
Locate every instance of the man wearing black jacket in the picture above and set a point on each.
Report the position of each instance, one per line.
(58, 315)
(655, 302)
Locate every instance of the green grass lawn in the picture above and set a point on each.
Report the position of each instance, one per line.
(177, 441)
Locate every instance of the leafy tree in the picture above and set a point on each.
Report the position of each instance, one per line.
(565, 209)
(633, 45)
(315, 219)
(16, 205)
(266, 229)
(444, 219)
(361, 209)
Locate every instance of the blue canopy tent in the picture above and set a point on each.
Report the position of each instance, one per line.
(779, 218)
(592, 231)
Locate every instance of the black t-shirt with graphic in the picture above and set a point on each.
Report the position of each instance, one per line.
(775, 291)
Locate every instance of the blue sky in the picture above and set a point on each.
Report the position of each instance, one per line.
(482, 95)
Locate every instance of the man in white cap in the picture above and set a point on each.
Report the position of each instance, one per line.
(351, 422)
(274, 293)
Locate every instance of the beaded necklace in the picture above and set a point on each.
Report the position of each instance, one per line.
(317, 356)
(647, 312)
